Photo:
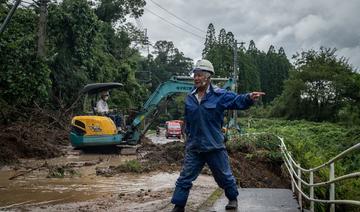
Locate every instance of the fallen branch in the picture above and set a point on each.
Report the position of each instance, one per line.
(28, 171)
(52, 116)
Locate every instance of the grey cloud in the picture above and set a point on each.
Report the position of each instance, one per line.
(294, 25)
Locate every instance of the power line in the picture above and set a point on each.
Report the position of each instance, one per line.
(27, 4)
(139, 23)
(9, 16)
(179, 27)
(181, 19)
(23, 1)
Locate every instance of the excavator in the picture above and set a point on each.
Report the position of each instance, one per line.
(95, 130)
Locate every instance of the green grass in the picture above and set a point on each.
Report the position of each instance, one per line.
(265, 146)
(215, 195)
(62, 172)
(131, 166)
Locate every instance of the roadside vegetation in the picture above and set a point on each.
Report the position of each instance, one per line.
(311, 144)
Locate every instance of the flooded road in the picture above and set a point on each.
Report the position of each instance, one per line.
(161, 139)
(83, 190)
(36, 188)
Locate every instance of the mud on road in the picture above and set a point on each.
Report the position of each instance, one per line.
(72, 183)
(104, 180)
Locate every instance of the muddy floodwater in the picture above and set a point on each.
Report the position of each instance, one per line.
(31, 188)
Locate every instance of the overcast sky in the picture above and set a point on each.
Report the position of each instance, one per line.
(294, 25)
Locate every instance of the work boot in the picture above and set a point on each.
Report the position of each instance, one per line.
(233, 204)
(178, 208)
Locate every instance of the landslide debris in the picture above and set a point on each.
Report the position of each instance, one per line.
(30, 140)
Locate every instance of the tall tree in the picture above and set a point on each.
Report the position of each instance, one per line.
(73, 30)
(210, 40)
(273, 80)
(221, 54)
(249, 79)
(318, 89)
(222, 37)
(42, 28)
(230, 39)
(281, 52)
(168, 61)
(164, 51)
(252, 47)
(24, 78)
(221, 51)
(116, 10)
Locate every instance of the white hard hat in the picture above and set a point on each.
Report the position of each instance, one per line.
(204, 65)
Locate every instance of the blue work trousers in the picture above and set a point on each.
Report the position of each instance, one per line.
(218, 162)
(116, 119)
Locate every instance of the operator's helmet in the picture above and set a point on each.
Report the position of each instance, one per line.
(204, 65)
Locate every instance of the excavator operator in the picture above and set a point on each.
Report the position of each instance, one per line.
(102, 108)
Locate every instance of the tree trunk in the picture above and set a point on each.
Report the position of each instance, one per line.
(42, 29)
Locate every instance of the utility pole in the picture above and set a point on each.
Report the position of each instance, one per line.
(235, 65)
(41, 50)
(233, 122)
(9, 16)
(235, 81)
(147, 41)
(148, 52)
(144, 41)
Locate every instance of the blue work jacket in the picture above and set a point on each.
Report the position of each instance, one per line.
(204, 120)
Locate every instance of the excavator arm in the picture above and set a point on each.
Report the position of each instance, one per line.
(164, 90)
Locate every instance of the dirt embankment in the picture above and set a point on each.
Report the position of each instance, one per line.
(30, 140)
(256, 172)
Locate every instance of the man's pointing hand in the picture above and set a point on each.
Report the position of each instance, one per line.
(256, 95)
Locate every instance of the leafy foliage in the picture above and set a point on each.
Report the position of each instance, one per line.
(130, 166)
(312, 144)
(81, 49)
(73, 30)
(322, 87)
(167, 61)
(116, 10)
(24, 78)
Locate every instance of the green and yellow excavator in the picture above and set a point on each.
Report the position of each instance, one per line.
(95, 130)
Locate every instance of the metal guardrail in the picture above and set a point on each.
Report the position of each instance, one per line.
(297, 182)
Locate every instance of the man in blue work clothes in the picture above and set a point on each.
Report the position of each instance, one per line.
(204, 115)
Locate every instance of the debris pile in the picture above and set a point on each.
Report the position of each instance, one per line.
(30, 140)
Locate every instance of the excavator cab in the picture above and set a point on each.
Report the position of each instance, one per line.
(92, 129)
(92, 91)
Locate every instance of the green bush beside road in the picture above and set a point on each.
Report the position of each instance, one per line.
(312, 144)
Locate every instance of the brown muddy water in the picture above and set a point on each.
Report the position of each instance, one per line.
(36, 188)
(86, 191)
